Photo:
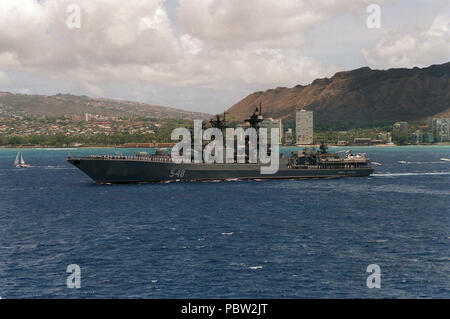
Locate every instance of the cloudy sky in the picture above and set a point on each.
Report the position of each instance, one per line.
(206, 55)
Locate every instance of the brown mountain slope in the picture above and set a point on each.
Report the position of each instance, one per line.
(362, 96)
(62, 104)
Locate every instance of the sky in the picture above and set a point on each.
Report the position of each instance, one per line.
(206, 55)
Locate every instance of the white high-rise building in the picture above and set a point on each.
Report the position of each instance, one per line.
(304, 127)
(439, 130)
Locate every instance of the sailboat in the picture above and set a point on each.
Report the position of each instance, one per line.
(19, 162)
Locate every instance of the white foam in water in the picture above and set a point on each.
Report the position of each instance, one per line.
(404, 162)
(409, 174)
(56, 167)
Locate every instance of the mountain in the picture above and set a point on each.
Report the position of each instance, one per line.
(66, 104)
(362, 96)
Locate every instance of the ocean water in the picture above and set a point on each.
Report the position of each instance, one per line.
(241, 239)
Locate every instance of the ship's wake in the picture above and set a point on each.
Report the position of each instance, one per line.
(406, 162)
(409, 174)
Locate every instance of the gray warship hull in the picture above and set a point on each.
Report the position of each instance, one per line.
(116, 171)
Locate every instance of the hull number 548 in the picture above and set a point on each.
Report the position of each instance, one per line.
(179, 173)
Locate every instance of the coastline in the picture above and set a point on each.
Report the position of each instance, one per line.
(58, 147)
(373, 145)
(122, 146)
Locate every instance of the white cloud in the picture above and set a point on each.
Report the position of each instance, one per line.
(135, 41)
(191, 45)
(220, 46)
(256, 67)
(34, 36)
(241, 41)
(4, 79)
(24, 91)
(93, 90)
(264, 24)
(413, 46)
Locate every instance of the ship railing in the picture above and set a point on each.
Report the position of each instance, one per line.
(153, 158)
(355, 160)
(134, 158)
(330, 160)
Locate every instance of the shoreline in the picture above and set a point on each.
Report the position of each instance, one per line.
(121, 146)
(373, 145)
(58, 147)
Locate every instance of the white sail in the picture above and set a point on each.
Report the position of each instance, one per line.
(21, 159)
(16, 162)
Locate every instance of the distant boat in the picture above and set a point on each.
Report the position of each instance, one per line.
(445, 159)
(402, 162)
(19, 161)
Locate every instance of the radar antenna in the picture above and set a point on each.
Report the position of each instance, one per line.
(255, 119)
(218, 122)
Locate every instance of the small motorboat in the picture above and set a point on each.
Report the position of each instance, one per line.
(445, 159)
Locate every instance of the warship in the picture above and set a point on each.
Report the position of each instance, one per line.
(160, 167)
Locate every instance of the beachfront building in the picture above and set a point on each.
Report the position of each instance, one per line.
(304, 127)
(439, 130)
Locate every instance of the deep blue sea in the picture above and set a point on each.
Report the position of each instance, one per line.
(241, 239)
